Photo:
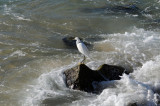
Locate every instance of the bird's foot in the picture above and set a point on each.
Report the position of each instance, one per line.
(80, 63)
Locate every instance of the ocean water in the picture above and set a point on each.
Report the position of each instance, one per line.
(33, 56)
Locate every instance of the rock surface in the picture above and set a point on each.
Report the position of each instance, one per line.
(83, 78)
(131, 9)
(132, 104)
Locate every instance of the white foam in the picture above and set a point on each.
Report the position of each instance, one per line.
(17, 53)
(20, 17)
(7, 9)
(149, 73)
(47, 85)
(137, 48)
(116, 93)
(5, 43)
(121, 93)
(130, 48)
(35, 44)
(1, 69)
(148, 16)
(131, 91)
(148, 39)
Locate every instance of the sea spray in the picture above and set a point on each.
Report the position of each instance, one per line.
(31, 49)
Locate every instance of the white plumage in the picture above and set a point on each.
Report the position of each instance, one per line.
(82, 47)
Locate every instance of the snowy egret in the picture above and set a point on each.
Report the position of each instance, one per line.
(82, 48)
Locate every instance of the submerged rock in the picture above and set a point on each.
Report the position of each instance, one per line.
(83, 78)
(70, 42)
(131, 9)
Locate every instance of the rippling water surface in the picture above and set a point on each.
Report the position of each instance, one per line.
(33, 55)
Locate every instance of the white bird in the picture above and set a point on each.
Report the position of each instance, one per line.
(82, 48)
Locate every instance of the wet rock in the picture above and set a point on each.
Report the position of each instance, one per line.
(132, 104)
(70, 42)
(83, 78)
(157, 21)
(111, 72)
(131, 9)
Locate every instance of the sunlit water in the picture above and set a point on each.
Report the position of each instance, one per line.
(33, 55)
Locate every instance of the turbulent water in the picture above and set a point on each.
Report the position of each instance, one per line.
(33, 55)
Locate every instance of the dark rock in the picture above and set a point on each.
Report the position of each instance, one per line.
(70, 42)
(83, 78)
(157, 21)
(131, 9)
(132, 104)
(111, 72)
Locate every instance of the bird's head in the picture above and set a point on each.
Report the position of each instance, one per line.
(76, 38)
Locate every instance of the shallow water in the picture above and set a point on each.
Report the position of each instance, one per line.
(33, 55)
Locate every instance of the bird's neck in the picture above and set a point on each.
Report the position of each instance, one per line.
(78, 41)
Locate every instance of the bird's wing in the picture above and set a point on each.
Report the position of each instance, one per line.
(83, 49)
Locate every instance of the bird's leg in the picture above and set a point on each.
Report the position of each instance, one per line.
(84, 58)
